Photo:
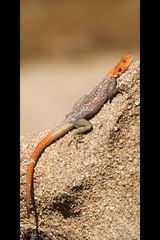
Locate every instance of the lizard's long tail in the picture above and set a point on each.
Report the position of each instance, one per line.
(50, 138)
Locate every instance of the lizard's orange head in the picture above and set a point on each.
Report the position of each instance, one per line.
(121, 66)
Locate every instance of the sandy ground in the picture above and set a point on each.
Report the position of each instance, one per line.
(49, 88)
(91, 192)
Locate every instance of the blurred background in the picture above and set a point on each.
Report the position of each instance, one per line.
(66, 48)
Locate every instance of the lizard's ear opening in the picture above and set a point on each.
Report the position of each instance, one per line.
(117, 72)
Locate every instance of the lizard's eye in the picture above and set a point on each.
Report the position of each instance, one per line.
(124, 61)
(119, 69)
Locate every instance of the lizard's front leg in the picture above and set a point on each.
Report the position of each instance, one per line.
(116, 91)
(82, 126)
(112, 89)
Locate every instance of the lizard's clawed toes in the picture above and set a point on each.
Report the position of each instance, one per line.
(76, 139)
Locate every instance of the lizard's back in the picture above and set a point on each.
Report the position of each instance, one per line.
(93, 102)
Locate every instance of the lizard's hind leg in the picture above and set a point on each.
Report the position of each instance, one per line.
(82, 126)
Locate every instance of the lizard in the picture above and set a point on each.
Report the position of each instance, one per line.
(78, 119)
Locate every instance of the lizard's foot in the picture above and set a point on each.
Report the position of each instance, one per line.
(76, 139)
(119, 90)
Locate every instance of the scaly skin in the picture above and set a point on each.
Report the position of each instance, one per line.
(79, 116)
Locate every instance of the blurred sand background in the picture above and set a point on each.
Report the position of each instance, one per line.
(66, 48)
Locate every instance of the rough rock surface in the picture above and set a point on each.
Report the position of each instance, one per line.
(91, 192)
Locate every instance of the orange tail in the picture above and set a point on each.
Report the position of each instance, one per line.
(121, 66)
(35, 155)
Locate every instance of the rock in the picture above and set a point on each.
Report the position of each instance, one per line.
(91, 192)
